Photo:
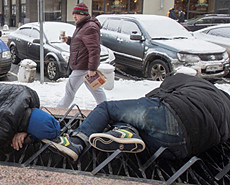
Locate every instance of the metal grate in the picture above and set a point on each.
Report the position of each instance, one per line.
(209, 168)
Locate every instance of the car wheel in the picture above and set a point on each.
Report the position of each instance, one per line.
(157, 70)
(14, 57)
(52, 69)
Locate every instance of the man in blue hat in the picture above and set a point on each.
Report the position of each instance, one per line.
(41, 126)
(21, 117)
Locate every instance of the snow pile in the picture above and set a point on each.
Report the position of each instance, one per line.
(50, 93)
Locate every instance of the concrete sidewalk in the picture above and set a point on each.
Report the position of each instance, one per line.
(15, 175)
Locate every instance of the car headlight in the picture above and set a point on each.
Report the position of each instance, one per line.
(6, 55)
(225, 55)
(65, 55)
(188, 57)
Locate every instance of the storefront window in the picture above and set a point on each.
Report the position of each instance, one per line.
(98, 7)
(192, 8)
(13, 10)
(116, 6)
(222, 6)
(13, 13)
(6, 9)
(135, 6)
(53, 10)
(23, 18)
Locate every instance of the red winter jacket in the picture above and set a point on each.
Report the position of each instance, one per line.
(85, 45)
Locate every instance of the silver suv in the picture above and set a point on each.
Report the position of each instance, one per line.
(157, 45)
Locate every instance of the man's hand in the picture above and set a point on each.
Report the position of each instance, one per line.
(91, 73)
(65, 38)
(18, 140)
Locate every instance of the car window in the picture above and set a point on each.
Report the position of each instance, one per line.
(128, 27)
(52, 31)
(35, 34)
(219, 20)
(222, 32)
(204, 21)
(156, 30)
(24, 31)
(113, 24)
(101, 19)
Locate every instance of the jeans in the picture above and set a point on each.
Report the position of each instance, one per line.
(155, 123)
(76, 79)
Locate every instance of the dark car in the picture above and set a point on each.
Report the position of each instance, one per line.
(5, 58)
(157, 45)
(206, 21)
(24, 43)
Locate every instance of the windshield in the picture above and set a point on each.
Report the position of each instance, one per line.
(193, 20)
(52, 30)
(164, 28)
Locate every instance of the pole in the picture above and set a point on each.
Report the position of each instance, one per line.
(188, 9)
(41, 20)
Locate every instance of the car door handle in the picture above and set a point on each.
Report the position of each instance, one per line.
(119, 39)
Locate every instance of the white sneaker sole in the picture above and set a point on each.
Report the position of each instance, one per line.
(109, 143)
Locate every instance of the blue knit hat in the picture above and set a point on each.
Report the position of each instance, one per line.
(42, 125)
(80, 8)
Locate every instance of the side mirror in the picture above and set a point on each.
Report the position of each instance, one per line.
(0, 33)
(36, 41)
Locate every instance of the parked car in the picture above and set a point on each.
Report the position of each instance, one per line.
(157, 45)
(24, 43)
(5, 58)
(206, 21)
(219, 34)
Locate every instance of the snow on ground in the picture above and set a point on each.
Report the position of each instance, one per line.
(50, 93)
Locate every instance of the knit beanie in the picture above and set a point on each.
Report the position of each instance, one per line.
(81, 8)
(42, 125)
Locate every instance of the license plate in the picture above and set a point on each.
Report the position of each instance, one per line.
(214, 68)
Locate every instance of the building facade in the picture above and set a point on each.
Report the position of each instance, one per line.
(17, 12)
(193, 8)
(96, 7)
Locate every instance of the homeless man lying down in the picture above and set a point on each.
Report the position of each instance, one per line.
(20, 117)
(186, 114)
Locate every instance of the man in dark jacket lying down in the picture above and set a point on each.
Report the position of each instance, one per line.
(186, 114)
(20, 116)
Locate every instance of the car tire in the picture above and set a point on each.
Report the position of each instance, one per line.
(52, 69)
(157, 70)
(14, 57)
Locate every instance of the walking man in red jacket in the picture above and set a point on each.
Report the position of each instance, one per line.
(84, 55)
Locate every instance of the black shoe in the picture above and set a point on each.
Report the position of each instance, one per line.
(123, 139)
(64, 145)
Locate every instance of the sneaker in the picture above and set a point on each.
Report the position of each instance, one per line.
(123, 139)
(64, 145)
